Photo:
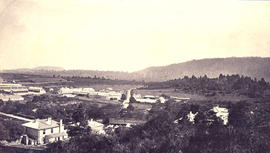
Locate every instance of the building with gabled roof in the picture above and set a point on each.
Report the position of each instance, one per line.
(13, 87)
(44, 131)
(10, 97)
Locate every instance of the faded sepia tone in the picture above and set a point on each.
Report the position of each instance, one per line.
(134, 76)
(104, 34)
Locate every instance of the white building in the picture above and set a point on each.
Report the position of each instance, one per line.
(11, 97)
(36, 90)
(76, 91)
(19, 89)
(222, 113)
(13, 88)
(180, 99)
(109, 94)
(96, 126)
(191, 117)
(147, 99)
(162, 100)
(42, 131)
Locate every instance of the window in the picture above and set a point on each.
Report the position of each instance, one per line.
(51, 130)
(44, 131)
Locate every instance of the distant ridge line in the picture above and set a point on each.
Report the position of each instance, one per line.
(255, 67)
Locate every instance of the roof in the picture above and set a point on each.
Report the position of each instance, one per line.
(149, 96)
(181, 98)
(10, 85)
(7, 97)
(95, 126)
(126, 121)
(40, 124)
(146, 100)
(220, 109)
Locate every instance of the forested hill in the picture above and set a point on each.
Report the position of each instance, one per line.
(248, 66)
(228, 84)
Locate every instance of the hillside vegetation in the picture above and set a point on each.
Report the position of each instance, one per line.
(254, 67)
(223, 85)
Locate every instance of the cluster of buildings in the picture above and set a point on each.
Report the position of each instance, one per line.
(10, 97)
(15, 91)
(13, 88)
(147, 99)
(108, 93)
(19, 89)
(221, 112)
(99, 128)
(150, 99)
(72, 92)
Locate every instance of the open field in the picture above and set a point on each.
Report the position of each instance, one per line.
(170, 92)
(101, 100)
(194, 97)
(141, 106)
(53, 81)
(114, 87)
(30, 78)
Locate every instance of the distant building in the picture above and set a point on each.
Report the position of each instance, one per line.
(76, 91)
(96, 127)
(137, 96)
(13, 88)
(147, 99)
(11, 97)
(222, 113)
(36, 90)
(69, 95)
(180, 99)
(162, 100)
(42, 131)
(109, 94)
(114, 121)
(19, 89)
(191, 117)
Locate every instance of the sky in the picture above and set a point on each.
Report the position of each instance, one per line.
(129, 35)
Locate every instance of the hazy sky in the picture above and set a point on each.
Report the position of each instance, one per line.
(129, 35)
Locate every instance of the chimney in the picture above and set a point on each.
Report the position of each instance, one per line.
(36, 120)
(49, 120)
(60, 125)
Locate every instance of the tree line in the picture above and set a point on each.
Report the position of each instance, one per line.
(169, 130)
(228, 84)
